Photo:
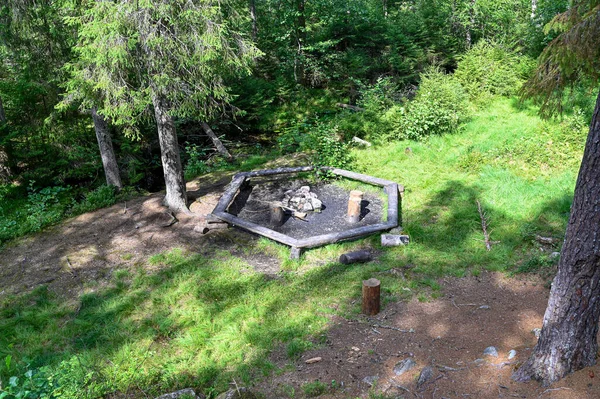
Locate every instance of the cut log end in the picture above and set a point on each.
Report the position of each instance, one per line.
(394, 240)
(371, 294)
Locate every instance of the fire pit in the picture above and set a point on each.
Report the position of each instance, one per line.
(300, 215)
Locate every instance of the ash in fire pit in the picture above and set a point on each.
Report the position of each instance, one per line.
(329, 204)
(302, 200)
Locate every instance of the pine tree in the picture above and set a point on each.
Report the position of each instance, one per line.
(161, 58)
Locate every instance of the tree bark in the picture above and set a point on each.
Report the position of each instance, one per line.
(468, 38)
(567, 341)
(5, 168)
(175, 197)
(370, 296)
(107, 152)
(253, 17)
(218, 144)
(300, 41)
(2, 114)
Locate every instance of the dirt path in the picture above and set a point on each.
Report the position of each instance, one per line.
(448, 334)
(85, 250)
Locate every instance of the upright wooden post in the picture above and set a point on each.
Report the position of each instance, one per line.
(354, 204)
(277, 213)
(370, 293)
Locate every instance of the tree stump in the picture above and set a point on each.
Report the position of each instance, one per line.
(354, 206)
(370, 296)
(277, 214)
(356, 256)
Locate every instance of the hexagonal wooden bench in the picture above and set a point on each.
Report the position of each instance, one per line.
(391, 189)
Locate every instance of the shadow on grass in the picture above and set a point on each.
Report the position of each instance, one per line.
(197, 322)
(448, 230)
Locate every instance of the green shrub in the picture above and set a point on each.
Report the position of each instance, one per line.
(491, 69)
(195, 165)
(44, 206)
(101, 197)
(329, 149)
(439, 107)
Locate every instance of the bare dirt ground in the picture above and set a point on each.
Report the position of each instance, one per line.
(448, 334)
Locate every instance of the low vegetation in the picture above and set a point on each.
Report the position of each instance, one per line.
(205, 320)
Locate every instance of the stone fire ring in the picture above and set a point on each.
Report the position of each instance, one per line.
(391, 189)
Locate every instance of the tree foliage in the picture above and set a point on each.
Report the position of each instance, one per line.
(181, 50)
(571, 59)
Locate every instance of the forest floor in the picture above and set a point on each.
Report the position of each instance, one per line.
(448, 334)
(124, 303)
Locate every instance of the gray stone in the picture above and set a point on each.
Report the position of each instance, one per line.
(404, 365)
(238, 393)
(490, 351)
(178, 394)
(555, 254)
(426, 375)
(317, 205)
(371, 380)
(304, 190)
(307, 207)
(511, 354)
(396, 230)
(536, 332)
(484, 307)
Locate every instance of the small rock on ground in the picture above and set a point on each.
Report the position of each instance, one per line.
(370, 380)
(490, 351)
(180, 393)
(425, 376)
(511, 354)
(403, 366)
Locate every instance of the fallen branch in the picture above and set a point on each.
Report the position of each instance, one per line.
(545, 240)
(360, 141)
(350, 107)
(218, 144)
(375, 324)
(486, 236)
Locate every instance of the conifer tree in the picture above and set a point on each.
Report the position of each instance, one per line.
(162, 58)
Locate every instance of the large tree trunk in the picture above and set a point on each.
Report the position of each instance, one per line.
(175, 198)
(568, 338)
(107, 152)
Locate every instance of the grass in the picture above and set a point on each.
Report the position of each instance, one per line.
(203, 321)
